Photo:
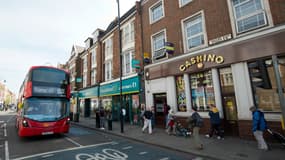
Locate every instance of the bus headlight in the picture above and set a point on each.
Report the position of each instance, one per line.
(25, 123)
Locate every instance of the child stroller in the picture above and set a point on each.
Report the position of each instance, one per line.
(181, 131)
(279, 137)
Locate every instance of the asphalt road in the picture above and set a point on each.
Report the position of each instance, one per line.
(79, 144)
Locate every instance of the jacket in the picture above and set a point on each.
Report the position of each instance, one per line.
(214, 116)
(258, 121)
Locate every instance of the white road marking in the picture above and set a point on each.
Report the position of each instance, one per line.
(1, 121)
(6, 151)
(142, 153)
(63, 150)
(48, 155)
(72, 141)
(128, 147)
(166, 158)
(5, 130)
(11, 118)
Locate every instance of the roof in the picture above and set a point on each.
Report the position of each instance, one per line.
(114, 23)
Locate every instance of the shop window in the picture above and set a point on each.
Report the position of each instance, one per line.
(180, 92)
(202, 90)
(264, 85)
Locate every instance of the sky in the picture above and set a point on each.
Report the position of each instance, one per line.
(42, 32)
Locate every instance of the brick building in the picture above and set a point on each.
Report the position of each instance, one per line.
(226, 52)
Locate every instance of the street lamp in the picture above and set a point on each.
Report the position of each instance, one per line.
(120, 52)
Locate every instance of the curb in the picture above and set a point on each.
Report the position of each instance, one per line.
(155, 144)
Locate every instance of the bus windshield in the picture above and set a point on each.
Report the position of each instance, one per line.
(45, 109)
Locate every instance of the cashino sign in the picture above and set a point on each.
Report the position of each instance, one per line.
(199, 60)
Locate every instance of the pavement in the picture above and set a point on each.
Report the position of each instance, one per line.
(231, 148)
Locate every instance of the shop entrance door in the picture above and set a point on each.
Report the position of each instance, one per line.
(230, 115)
(229, 101)
(159, 100)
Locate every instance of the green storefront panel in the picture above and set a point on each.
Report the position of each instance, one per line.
(88, 93)
(130, 85)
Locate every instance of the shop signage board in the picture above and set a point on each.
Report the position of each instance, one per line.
(87, 93)
(130, 85)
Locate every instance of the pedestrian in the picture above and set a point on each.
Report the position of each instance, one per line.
(170, 129)
(166, 109)
(147, 120)
(196, 122)
(215, 121)
(142, 114)
(258, 127)
(102, 117)
(153, 117)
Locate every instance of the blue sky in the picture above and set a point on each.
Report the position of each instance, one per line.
(41, 32)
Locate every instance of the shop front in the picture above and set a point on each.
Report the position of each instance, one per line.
(110, 95)
(89, 101)
(233, 76)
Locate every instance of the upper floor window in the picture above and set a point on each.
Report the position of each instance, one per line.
(127, 62)
(194, 32)
(93, 76)
(108, 70)
(93, 58)
(248, 15)
(128, 35)
(85, 63)
(109, 48)
(84, 80)
(156, 12)
(158, 49)
(184, 2)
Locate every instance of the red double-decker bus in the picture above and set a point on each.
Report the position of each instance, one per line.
(44, 101)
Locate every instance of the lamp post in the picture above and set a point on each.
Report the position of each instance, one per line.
(120, 52)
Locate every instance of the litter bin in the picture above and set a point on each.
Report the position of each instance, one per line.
(76, 117)
(71, 116)
(110, 124)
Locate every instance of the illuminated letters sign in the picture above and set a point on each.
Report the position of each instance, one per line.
(199, 61)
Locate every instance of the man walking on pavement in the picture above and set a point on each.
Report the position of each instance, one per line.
(147, 120)
(196, 122)
(258, 127)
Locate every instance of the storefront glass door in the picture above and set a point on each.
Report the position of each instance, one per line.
(229, 101)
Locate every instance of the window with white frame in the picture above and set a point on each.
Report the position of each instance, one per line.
(158, 41)
(249, 15)
(93, 76)
(127, 62)
(156, 12)
(84, 79)
(108, 70)
(194, 32)
(109, 48)
(184, 2)
(93, 58)
(128, 35)
(85, 63)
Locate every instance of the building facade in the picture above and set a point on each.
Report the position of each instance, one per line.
(188, 53)
(101, 72)
(227, 52)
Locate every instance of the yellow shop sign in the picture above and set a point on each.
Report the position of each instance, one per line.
(200, 59)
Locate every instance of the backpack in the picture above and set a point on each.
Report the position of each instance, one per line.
(197, 120)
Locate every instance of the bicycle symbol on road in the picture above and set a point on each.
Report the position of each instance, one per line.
(107, 154)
